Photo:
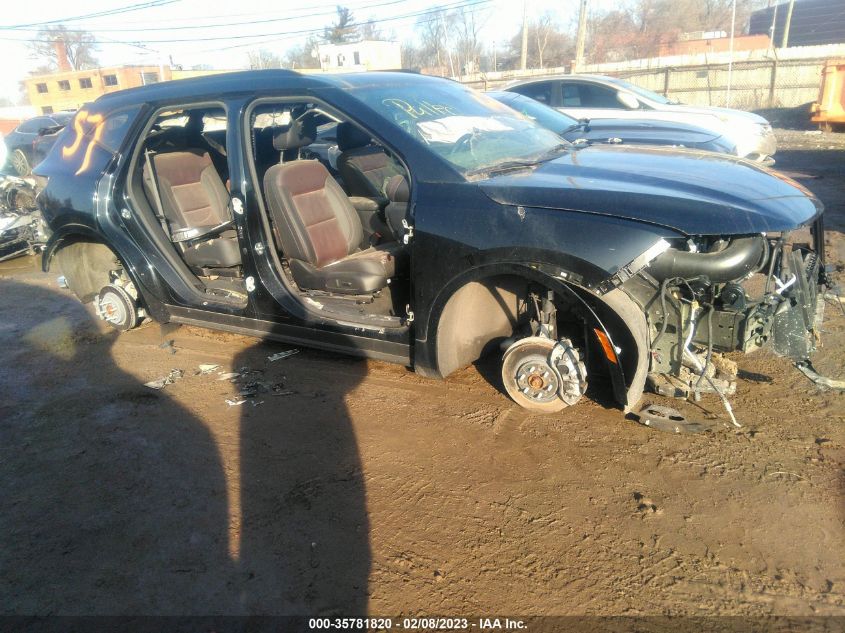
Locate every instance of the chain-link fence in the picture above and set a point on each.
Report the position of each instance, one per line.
(753, 85)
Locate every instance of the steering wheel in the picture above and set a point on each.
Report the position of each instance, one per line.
(464, 142)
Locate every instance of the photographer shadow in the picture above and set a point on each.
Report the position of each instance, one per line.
(120, 501)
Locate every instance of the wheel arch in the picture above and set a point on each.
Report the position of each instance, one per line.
(85, 259)
(478, 308)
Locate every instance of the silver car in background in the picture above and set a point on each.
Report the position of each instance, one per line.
(600, 97)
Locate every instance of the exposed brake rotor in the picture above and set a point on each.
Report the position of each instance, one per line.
(544, 375)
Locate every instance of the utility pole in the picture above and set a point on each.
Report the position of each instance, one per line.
(774, 26)
(523, 60)
(446, 43)
(784, 41)
(731, 53)
(582, 36)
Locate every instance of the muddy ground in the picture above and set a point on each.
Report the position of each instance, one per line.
(361, 488)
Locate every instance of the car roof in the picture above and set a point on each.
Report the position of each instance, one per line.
(250, 81)
(570, 77)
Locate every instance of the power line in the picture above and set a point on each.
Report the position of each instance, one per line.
(431, 15)
(212, 26)
(127, 9)
(280, 35)
(268, 14)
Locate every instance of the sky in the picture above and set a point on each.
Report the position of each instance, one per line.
(218, 34)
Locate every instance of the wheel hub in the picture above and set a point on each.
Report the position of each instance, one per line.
(537, 380)
(115, 306)
(111, 309)
(542, 374)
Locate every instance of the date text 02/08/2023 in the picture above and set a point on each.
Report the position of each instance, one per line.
(416, 623)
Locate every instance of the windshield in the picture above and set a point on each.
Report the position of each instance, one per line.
(642, 92)
(470, 130)
(62, 118)
(548, 117)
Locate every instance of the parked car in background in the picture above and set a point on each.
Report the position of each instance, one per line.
(43, 142)
(616, 131)
(456, 228)
(598, 97)
(19, 143)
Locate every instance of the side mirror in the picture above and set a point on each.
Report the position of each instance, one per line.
(627, 99)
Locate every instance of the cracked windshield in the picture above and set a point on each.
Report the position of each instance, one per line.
(473, 132)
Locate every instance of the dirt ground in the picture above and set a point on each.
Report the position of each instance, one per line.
(359, 487)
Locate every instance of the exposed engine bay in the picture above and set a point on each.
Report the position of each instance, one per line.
(707, 296)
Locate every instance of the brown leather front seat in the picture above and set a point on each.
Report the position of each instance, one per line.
(194, 202)
(318, 229)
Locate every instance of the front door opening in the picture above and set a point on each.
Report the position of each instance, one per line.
(336, 204)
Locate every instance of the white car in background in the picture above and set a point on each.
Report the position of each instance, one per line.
(600, 97)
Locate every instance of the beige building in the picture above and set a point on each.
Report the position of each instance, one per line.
(360, 56)
(71, 89)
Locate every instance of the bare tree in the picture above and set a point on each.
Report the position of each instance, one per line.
(412, 56)
(433, 49)
(262, 59)
(548, 44)
(369, 31)
(641, 28)
(302, 55)
(79, 48)
(466, 27)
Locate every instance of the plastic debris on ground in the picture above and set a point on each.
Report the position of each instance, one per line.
(824, 383)
(234, 403)
(169, 379)
(670, 420)
(229, 375)
(279, 390)
(204, 369)
(274, 357)
(168, 345)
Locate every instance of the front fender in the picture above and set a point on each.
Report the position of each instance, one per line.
(627, 358)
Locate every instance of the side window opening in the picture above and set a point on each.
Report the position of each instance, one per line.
(593, 96)
(571, 96)
(541, 91)
(182, 169)
(330, 196)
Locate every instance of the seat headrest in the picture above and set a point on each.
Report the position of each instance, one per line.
(351, 137)
(299, 133)
(397, 189)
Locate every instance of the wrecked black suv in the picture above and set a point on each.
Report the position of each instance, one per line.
(414, 220)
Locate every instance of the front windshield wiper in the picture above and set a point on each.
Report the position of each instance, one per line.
(521, 163)
(553, 152)
(505, 165)
(582, 124)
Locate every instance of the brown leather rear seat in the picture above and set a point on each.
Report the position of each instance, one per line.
(364, 166)
(193, 197)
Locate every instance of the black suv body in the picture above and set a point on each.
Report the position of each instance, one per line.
(444, 227)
